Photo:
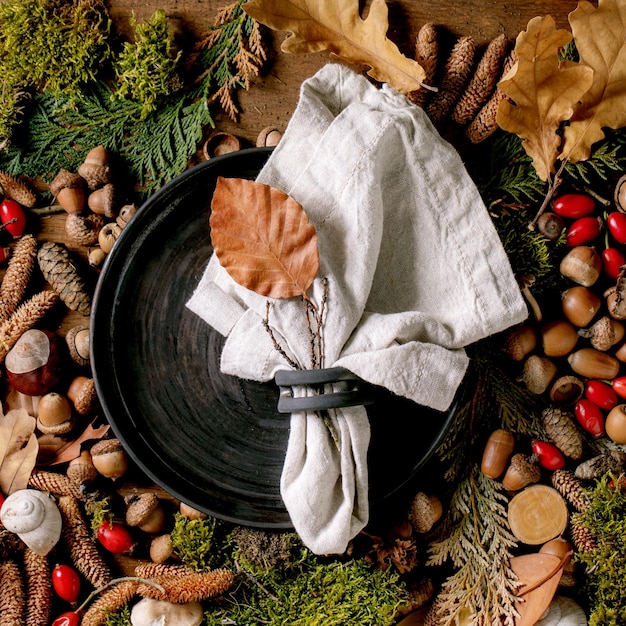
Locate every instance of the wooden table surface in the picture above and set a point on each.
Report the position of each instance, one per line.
(273, 96)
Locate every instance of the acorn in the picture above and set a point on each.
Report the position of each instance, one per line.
(424, 511)
(580, 305)
(550, 225)
(520, 342)
(145, 512)
(604, 333)
(54, 414)
(77, 340)
(497, 452)
(161, 548)
(620, 194)
(268, 137)
(567, 390)
(127, 212)
(537, 374)
(109, 458)
(96, 169)
(69, 190)
(592, 363)
(582, 264)
(81, 470)
(522, 471)
(558, 338)
(190, 512)
(102, 200)
(82, 393)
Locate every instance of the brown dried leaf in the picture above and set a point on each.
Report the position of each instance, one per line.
(543, 91)
(18, 450)
(336, 25)
(532, 569)
(71, 450)
(263, 238)
(600, 36)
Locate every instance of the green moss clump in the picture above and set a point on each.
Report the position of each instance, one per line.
(606, 563)
(315, 593)
(119, 618)
(146, 69)
(37, 39)
(196, 542)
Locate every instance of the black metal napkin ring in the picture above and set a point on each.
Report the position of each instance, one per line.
(350, 390)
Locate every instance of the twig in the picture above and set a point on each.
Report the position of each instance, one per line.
(277, 346)
(257, 582)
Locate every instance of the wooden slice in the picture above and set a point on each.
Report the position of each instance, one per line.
(537, 514)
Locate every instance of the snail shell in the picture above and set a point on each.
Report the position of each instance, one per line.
(563, 611)
(34, 518)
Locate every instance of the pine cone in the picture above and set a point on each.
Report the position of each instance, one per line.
(61, 273)
(455, 75)
(17, 189)
(10, 544)
(485, 123)
(582, 538)
(57, 484)
(153, 570)
(612, 461)
(25, 317)
(38, 589)
(17, 276)
(560, 427)
(113, 599)
(11, 594)
(192, 587)
(80, 545)
(571, 488)
(483, 81)
(426, 54)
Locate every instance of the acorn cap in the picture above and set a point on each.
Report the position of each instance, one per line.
(105, 446)
(63, 179)
(95, 168)
(424, 511)
(86, 400)
(77, 339)
(140, 507)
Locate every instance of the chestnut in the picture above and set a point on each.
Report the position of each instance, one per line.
(34, 363)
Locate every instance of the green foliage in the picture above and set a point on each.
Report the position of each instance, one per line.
(154, 143)
(315, 593)
(120, 617)
(607, 159)
(606, 564)
(55, 45)
(98, 511)
(147, 69)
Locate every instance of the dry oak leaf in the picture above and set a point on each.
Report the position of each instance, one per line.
(18, 450)
(600, 36)
(543, 92)
(263, 238)
(336, 25)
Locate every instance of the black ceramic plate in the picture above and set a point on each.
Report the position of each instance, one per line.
(214, 441)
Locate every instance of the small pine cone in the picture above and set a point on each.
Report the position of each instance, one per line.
(17, 189)
(455, 75)
(10, 544)
(485, 122)
(483, 82)
(612, 461)
(24, 318)
(12, 600)
(560, 427)
(582, 537)
(60, 271)
(426, 54)
(80, 544)
(17, 276)
(38, 589)
(113, 599)
(571, 488)
(57, 484)
(154, 570)
(192, 587)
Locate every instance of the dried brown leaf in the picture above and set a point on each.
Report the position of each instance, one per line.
(540, 575)
(544, 92)
(71, 450)
(336, 25)
(263, 238)
(600, 36)
(18, 450)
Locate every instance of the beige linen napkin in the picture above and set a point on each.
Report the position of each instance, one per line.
(415, 273)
